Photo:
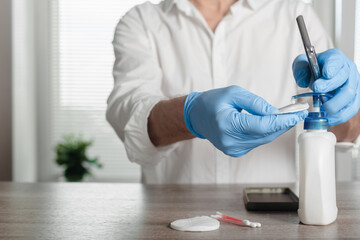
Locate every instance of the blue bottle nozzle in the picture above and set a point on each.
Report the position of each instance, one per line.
(317, 119)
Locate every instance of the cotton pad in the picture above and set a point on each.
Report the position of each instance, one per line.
(196, 224)
(296, 107)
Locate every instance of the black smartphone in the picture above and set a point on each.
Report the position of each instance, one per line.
(270, 199)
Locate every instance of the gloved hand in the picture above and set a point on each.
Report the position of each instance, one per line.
(340, 77)
(217, 116)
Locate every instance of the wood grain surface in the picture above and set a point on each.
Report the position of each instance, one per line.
(135, 211)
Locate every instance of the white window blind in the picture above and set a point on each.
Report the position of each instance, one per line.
(81, 32)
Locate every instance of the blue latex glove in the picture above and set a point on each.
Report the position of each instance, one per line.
(217, 116)
(340, 77)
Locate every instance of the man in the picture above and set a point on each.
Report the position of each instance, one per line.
(186, 72)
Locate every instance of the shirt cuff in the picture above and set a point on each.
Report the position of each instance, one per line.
(138, 145)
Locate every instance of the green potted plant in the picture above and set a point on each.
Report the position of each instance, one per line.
(71, 154)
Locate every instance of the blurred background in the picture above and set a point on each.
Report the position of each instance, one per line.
(56, 63)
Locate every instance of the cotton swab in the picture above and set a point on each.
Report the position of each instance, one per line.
(222, 217)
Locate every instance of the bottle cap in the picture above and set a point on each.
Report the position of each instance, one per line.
(316, 121)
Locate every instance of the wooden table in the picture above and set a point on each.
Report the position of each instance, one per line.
(135, 211)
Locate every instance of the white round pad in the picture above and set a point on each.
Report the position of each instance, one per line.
(196, 224)
(297, 107)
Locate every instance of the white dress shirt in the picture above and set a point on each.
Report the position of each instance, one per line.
(168, 50)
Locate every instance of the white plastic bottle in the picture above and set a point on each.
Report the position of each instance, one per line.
(317, 193)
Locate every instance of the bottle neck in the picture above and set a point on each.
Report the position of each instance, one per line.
(315, 130)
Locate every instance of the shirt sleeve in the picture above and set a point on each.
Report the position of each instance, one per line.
(137, 89)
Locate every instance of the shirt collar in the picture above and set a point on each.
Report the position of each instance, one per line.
(181, 4)
(184, 4)
(255, 4)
